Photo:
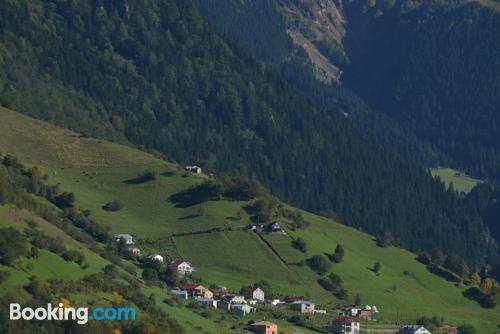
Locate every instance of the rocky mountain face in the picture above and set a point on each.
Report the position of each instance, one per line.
(319, 27)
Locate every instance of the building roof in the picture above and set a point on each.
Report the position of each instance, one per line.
(191, 286)
(123, 236)
(345, 320)
(176, 263)
(408, 329)
(263, 323)
(302, 302)
(295, 298)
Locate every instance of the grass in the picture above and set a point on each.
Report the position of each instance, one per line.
(96, 172)
(461, 182)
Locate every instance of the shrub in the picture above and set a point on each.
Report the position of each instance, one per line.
(74, 256)
(114, 205)
(300, 244)
(12, 245)
(338, 255)
(319, 264)
(4, 276)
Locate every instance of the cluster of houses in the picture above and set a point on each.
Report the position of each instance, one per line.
(350, 325)
(182, 267)
(348, 318)
(366, 313)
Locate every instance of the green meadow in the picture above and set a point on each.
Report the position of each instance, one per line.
(461, 182)
(98, 172)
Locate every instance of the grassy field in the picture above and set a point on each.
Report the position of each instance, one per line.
(99, 172)
(461, 182)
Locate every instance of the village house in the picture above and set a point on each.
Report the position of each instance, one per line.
(197, 290)
(220, 291)
(242, 309)
(230, 300)
(275, 227)
(277, 302)
(180, 293)
(413, 329)
(256, 227)
(207, 301)
(156, 257)
(263, 327)
(352, 311)
(193, 169)
(126, 238)
(303, 306)
(134, 251)
(254, 293)
(368, 312)
(291, 299)
(345, 325)
(182, 267)
(235, 299)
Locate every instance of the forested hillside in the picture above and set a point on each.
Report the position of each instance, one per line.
(261, 27)
(156, 74)
(434, 67)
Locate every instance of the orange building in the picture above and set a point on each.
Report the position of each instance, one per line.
(197, 290)
(263, 327)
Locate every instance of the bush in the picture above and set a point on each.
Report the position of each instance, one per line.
(114, 205)
(65, 200)
(55, 245)
(456, 265)
(12, 245)
(338, 255)
(466, 329)
(377, 267)
(319, 264)
(4, 276)
(385, 240)
(149, 175)
(300, 244)
(74, 256)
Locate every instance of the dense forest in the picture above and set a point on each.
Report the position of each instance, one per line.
(261, 27)
(434, 67)
(155, 73)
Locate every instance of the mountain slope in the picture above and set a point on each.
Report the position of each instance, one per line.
(432, 73)
(290, 36)
(155, 73)
(234, 257)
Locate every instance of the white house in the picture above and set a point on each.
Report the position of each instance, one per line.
(156, 257)
(254, 293)
(207, 301)
(193, 169)
(242, 309)
(276, 227)
(413, 329)
(345, 325)
(182, 267)
(126, 238)
(276, 302)
(303, 306)
(233, 299)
